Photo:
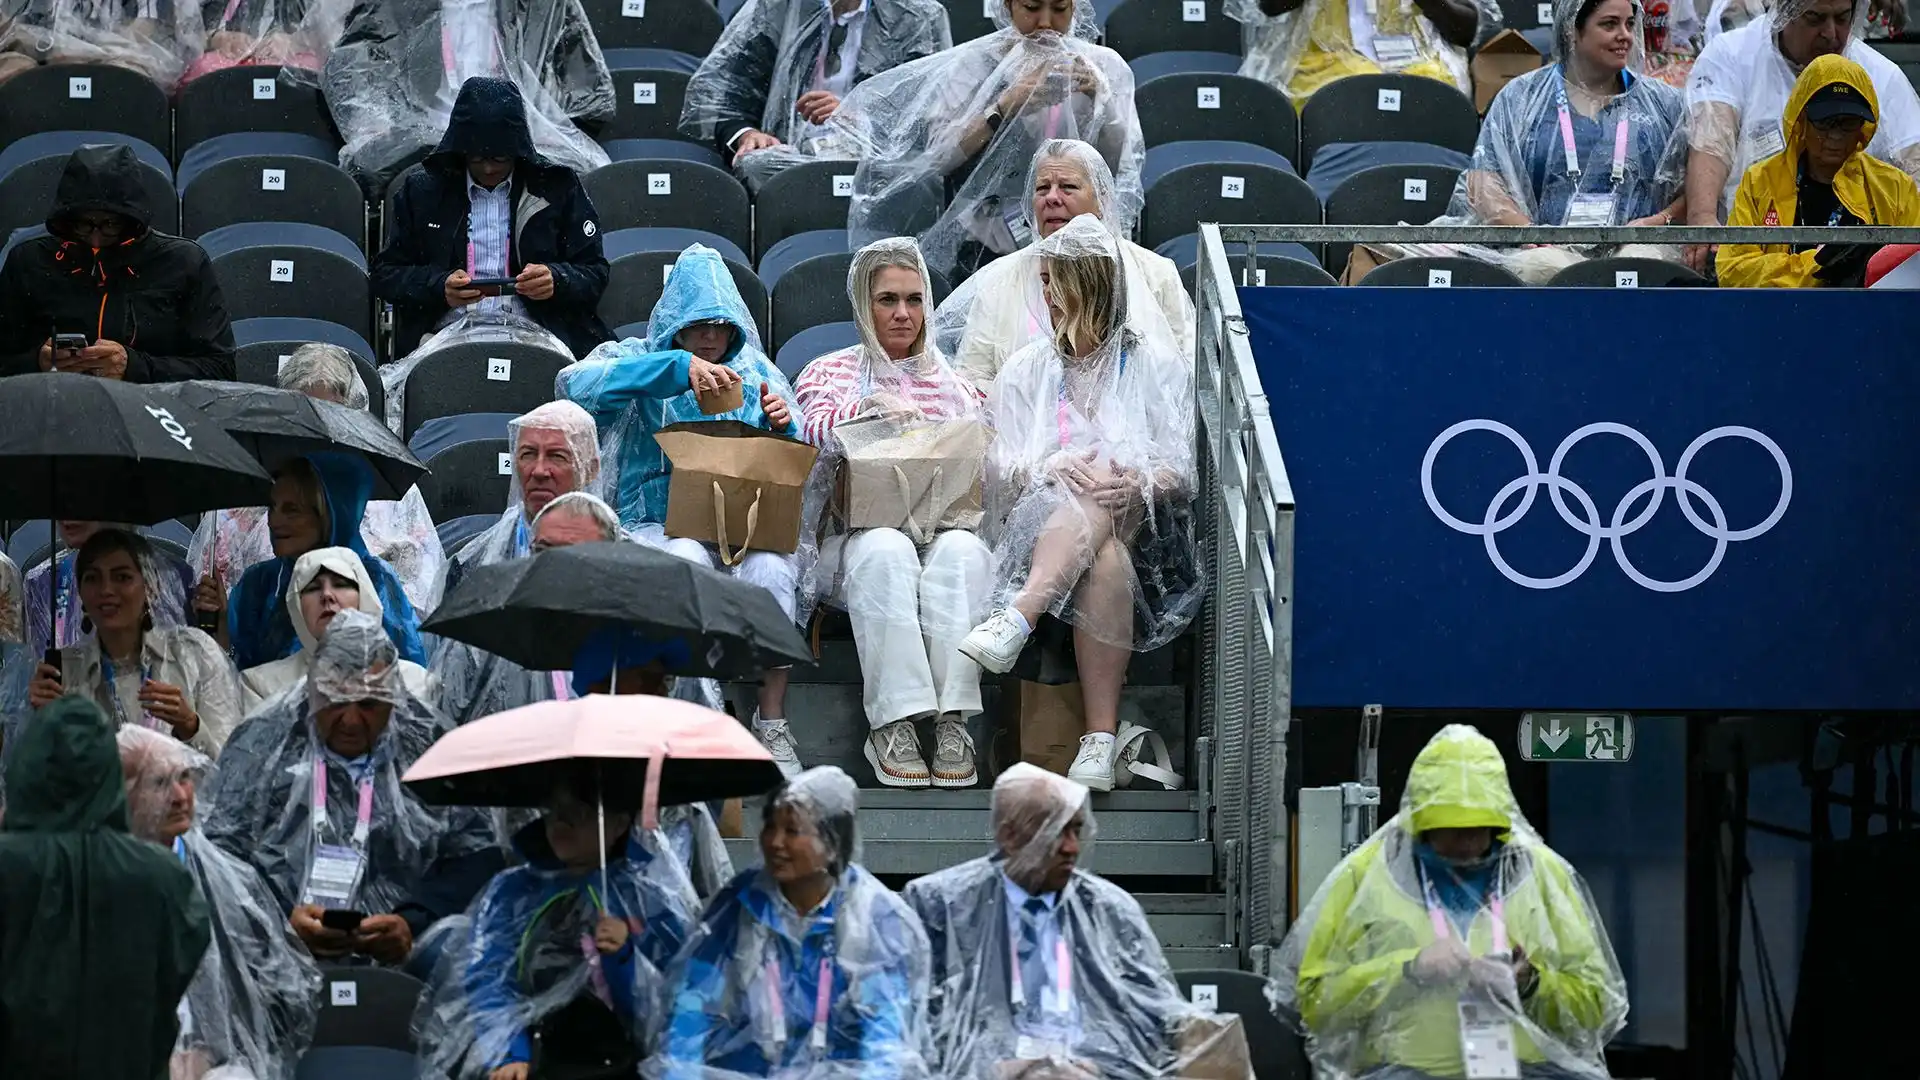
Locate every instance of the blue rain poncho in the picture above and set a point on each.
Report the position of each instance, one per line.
(257, 620)
(634, 388)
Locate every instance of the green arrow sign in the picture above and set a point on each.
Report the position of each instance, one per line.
(1562, 736)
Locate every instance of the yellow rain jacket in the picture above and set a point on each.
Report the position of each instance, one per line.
(1370, 920)
(1871, 190)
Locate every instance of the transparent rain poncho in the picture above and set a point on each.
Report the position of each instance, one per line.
(1096, 450)
(1404, 955)
(52, 595)
(263, 798)
(1001, 926)
(765, 990)
(12, 615)
(393, 76)
(400, 532)
(496, 327)
(252, 1008)
(994, 313)
(265, 681)
(153, 37)
(524, 966)
(292, 33)
(920, 130)
(1325, 40)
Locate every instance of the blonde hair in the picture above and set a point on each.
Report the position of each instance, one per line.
(1083, 290)
(880, 258)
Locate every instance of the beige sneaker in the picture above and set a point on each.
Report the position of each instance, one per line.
(894, 753)
(953, 765)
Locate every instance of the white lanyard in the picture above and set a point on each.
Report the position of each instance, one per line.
(363, 818)
(822, 995)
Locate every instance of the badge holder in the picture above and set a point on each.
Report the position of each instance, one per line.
(1052, 1038)
(333, 877)
(1486, 1040)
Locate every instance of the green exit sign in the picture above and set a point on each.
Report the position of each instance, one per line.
(1567, 736)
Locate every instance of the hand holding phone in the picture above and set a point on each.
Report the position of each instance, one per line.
(336, 919)
(492, 286)
(69, 343)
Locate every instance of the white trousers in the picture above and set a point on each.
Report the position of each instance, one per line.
(776, 573)
(910, 611)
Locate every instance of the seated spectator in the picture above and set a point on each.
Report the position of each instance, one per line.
(485, 207)
(325, 582)
(780, 68)
(578, 517)
(806, 964)
(1584, 141)
(566, 949)
(271, 33)
(318, 502)
(1824, 176)
(999, 310)
(1000, 927)
(148, 304)
(151, 37)
(100, 932)
(173, 679)
(1455, 902)
(1739, 89)
(334, 747)
(251, 1010)
(1089, 481)
(400, 532)
(53, 589)
(1300, 46)
(911, 600)
(700, 337)
(961, 128)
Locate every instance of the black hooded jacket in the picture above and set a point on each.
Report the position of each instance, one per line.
(154, 294)
(553, 225)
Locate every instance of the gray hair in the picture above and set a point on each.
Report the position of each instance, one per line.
(582, 504)
(329, 368)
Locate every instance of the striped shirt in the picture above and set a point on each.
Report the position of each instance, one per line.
(832, 388)
(489, 232)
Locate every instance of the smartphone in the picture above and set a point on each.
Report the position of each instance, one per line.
(69, 342)
(335, 919)
(207, 622)
(52, 660)
(492, 286)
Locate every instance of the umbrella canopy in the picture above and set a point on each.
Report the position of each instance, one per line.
(91, 449)
(538, 612)
(278, 425)
(517, 757)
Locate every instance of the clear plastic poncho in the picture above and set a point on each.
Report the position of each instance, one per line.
(1401, 945)
(291, 33)
(262, 801)
(267, 680)
(1096, 449)
(991, 315)
(12, 611)
(393, 76)
(252, 1008)
(1326, 40)
(152, 37)
(921, 130)
(999, 927)
(498, 327)
(763, 990)
(52, 599)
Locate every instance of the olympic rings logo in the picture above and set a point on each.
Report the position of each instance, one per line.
(1498, 518)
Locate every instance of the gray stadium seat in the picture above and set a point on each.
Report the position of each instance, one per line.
(249, 99)
(1387, 195)
(1376, 108)
(470, 465)
(800, 246)
(1138, 27)
(356, 1063)
(261, 345)
(1278, 264)
(1153, 65)
(366, 1006)
(815, 341)
(268, 176)
(1277, 1050)
(639, 273)
(1211, 106)
(283, 269)
(456, 379)
(17, 236)
(968, 19)
(1619, 273)
(1527, 14)
(456, 532)
(1454, 272)
(30, 173)
(688, 26)
(655, 149)
(647, 102)
(1336, 163)
(1190, 182)
(644, 57)
(28, 539)
(85, 97)
(666, 193)
(806, 197)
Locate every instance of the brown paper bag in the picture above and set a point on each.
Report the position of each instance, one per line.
(1214, 1047)
(918, 477)
(724, 400)
(735, 486)
(1361, 263)
(1048, 721)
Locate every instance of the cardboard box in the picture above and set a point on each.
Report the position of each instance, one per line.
(1214, 1047)
(735, 486)
(1047, 724)
(919, 477)
(1501, 60)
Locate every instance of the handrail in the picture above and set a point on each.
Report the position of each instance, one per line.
(1561, 234)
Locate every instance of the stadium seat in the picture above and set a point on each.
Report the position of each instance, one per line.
(303, 271)
(630, 330)
(1440, 272)
(23, 233)
(639, 274)
(470, 466)
(806, 197)
(1190, 182)
(1336, 163)
(656, 59)
(1278, 264)
(1387, 195)
(1277, 1050)
(1210, 106)
(366, 1006)
(1627, 274)
(969, 19)
(262, 345)
(816, 341)
(1138, 27)
(85, 97)
(664, 193)
(1527, 14)
(268, 176)
(797, 248)
(647, 103)
(618, 243)
(356, 1063)
(30, 171)
(813, 291)
(659, 149)
(688, 26)
(480, 377)
(455, 533)
(1377, 108)
(1155, 65)
(28, 538)
(249, 99)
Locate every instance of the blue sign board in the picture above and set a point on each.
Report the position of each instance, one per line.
(1585, 499)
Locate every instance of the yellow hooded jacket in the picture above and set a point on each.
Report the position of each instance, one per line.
(1871, 190)
(1371, 920)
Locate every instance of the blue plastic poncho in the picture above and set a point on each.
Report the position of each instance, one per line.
(634, 388)
(257, 619)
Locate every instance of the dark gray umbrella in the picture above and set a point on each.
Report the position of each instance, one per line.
(277, 425)
(537, 612)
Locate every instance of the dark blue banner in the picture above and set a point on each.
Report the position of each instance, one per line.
(1586, 499)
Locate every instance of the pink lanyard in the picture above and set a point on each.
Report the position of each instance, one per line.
(1443, 928)
(823, 993)
(363, 818)
(1053, 120)
(562, 689)
(1062, 972)
(1060, 413)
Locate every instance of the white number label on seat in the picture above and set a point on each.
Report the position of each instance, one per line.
(843, 185)
(1208, 97)
(1389, 101)
(1439, 279)
(1259, 276)
(1193, 10)
(659, 183)
(665, 273)
(273, 179)
(264, 89)
(1544, 14)
(1626, 279)
(345, 994)
(506, 463)
(80, 87)
(633, 9)
(282, 365)
(280, 271)
(1207, 996)
(1414, 190)
(1233, 187)
(646, 93)
(500, 368)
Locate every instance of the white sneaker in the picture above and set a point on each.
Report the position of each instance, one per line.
(953, 765)
(996, 643)
(775, 736)
(1092, 768)
(894, 753)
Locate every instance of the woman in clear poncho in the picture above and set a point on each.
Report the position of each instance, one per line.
(1000, 309)
(251, 1010)
(1300, 46)
(806, 966)
(964, 125)
(913, 591)
(400, 533)
(1089, 484)
(324, 583)
(1454, 909)
(290, 33)
(53, 589)
(152, 37)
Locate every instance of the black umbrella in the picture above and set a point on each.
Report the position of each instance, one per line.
(278, 425)
(538, 612)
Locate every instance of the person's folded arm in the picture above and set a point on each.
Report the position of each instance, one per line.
(401, 272)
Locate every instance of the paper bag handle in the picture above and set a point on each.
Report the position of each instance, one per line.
(920, 536)
(720, 524)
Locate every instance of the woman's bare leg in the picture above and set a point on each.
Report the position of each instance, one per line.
(1105, 602)
(1061, 554)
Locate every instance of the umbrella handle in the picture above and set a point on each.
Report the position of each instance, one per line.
(720, 524)
(650, 799)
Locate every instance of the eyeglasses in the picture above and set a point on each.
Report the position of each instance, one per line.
(109, 226)
(1839, 125)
